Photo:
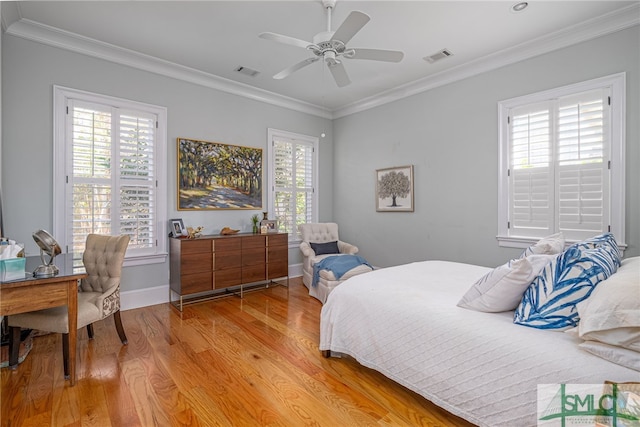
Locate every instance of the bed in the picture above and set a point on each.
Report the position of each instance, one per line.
(404, 322)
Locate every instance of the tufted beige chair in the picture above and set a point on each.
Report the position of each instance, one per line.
(323, 233)
(98, 295)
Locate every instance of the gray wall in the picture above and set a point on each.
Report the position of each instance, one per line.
(29, 71)
(450, 135)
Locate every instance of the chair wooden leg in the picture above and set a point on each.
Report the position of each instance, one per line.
(14, 347)
(90, 330)
(119, 328)
(65, 355)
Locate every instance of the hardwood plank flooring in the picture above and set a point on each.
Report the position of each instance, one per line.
(225, 362)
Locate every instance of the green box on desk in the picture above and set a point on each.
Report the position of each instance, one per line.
(12, 269)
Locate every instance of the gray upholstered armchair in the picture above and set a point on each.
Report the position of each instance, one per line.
(98, 296)
(325, 239)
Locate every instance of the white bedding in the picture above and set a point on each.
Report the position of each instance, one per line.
(403, 322)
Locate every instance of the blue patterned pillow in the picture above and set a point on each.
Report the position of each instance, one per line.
(550, 301)
(603, 240)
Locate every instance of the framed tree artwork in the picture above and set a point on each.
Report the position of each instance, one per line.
(394, 189)
(212, 175)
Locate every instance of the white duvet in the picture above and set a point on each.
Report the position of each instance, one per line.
(403, 322)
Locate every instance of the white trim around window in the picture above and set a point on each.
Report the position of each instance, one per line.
(134, 166)
(614, 88)
(293, 180)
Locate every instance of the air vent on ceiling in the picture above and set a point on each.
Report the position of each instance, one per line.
(247, 71)
(444, 53)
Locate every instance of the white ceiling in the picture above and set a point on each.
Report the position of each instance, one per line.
(209, 39)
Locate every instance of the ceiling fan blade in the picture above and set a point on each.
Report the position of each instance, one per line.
(354, 23)
(377, 55)
(287, 71)
(285, 39)
(339, 74)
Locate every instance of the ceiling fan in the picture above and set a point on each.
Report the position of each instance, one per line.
(332, 45)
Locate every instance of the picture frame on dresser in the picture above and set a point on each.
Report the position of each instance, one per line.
(271, 224)
(177, 228)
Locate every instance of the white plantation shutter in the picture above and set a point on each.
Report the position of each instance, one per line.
(90, 180)
(531, 189)
(110, 170)
(293, 177)
(559, 150)
(137, 178)
(583, 178)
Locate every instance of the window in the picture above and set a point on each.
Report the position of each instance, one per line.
(108, 172)
(562, 163)
(292, 180)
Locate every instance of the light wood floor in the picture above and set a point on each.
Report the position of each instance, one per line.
(227, 362)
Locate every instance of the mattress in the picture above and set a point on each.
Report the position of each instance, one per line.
(403, 322)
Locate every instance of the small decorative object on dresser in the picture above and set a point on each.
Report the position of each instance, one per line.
(255, 220)
(271, 224)
(194, 233)
(226, 231)
(177, 228)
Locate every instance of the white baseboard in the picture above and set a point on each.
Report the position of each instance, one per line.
(295, 270)
(160, 294)
(144, 297)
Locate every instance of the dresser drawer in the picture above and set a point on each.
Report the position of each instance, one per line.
(195, 246)
(278, 240)
(253, 273)
(228, 277)
(196, 263)
(227, 244)
(194, 283)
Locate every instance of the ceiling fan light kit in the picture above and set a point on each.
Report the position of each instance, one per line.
(331, 46)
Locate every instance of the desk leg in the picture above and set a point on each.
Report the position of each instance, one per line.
(72, 307)
(14, 347)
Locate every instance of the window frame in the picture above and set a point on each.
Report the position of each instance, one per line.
(617, 87)
(294, 238)
(61, 167)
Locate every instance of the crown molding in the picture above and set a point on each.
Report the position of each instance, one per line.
(9, 13)
(56, 37)
(34, 31)
(606, 24)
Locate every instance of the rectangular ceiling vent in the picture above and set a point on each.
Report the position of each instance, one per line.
(444, 53)
(247, 71)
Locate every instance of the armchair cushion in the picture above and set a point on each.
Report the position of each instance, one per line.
(325, 248)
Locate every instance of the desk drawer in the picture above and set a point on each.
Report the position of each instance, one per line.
(37, 297)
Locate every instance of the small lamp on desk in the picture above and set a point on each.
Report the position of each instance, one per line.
(48, 246)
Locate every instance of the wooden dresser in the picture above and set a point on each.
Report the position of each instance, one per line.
(208, 266)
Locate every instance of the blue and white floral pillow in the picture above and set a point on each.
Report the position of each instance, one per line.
(604, 240)
(550, 301)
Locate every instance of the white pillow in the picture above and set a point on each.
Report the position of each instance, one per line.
(618, 355)
(611, 314)
(501, 289)
(553, 244)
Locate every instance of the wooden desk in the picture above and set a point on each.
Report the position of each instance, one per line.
(30, 293)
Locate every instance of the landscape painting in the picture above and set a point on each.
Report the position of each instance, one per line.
(212, 175)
